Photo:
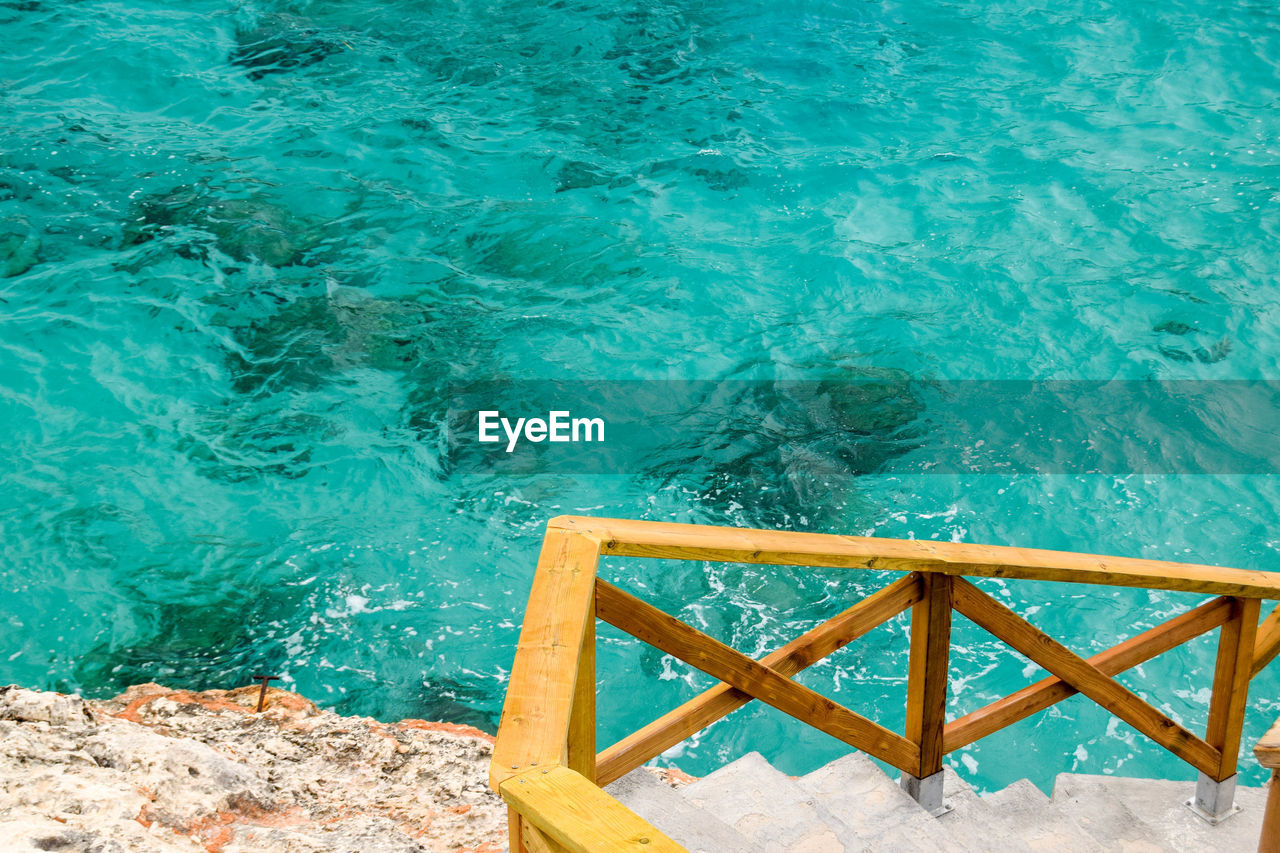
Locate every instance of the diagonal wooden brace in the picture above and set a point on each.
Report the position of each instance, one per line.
(1267, 644)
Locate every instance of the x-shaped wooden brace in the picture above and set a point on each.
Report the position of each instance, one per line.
(1084, 676)
(756, 679)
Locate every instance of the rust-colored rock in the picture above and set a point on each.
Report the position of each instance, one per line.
(160, 770)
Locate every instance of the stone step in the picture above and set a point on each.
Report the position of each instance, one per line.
(972, 823)
(771, 809)
(664, 807)
(1159, 803)
(1109, 821)
(881, 814)
(851, 806)
(1041, 826)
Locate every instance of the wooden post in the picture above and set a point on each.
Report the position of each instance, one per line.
(1268, 752)
(1231, 683)
(1215, 793)
(537, 716)
(581, 755)
(536, 842)
(927, 688)
(515, 839)
(1270, 840)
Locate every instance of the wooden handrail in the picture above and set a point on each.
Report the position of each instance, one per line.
(567, 812)
(741, 545)
(545, 764)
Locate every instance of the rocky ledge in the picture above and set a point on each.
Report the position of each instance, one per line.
(156, 770)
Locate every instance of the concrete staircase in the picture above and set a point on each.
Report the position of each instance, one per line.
(850, 805)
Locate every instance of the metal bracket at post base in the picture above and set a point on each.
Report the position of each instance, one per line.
(1214, 801)
(927, 792)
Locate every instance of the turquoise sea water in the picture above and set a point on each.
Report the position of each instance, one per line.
(251, 248)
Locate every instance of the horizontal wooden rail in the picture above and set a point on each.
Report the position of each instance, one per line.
(739, 545)
(721, 700)
(1049, 691)
(571, 813)
(695, 648)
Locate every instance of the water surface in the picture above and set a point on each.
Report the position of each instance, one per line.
(252, 248)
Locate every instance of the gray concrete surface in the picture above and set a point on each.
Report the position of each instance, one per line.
(851, 806)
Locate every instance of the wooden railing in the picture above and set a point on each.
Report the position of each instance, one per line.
(545, 764)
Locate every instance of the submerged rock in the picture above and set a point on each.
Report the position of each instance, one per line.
(1174, 327)
(167, 770)
(575, 175)
(307, 339)
(244, 228)
(281, 44)
(1187, 350)
(793, 450)
(718, 171)
(239, 446)
(19, 247)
